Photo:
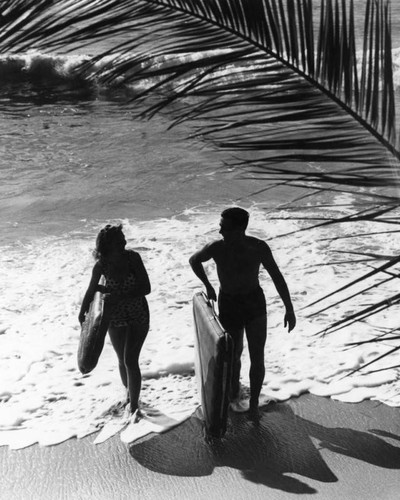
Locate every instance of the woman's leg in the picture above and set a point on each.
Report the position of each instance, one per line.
(118, 336)
(135, 337)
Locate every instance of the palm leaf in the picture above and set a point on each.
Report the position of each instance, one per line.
(380, 339)
(388, 353)
(285, 78)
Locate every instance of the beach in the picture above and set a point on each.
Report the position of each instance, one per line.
(308, 447)
(75, 157)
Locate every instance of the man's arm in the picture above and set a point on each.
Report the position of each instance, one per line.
(271, 266)
(196, 262)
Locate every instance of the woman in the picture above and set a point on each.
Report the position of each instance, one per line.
(125, 305)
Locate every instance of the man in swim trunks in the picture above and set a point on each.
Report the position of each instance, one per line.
(241, 300)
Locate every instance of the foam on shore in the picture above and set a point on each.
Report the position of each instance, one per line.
(45, 399)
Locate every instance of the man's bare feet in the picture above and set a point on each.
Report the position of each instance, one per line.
(240, 405)
(254, 414)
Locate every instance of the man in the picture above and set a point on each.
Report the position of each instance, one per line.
(241, 300)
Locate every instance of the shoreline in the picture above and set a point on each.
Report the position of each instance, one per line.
(310, 446)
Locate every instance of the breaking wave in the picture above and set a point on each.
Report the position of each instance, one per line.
(81, 71)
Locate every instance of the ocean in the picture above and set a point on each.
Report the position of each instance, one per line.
(72, 161)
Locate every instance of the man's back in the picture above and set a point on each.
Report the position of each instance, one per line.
(238, 263)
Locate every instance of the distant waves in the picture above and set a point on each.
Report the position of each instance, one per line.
(81, 71)
(36, 67)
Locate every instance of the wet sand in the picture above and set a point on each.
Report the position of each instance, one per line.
(308, 447)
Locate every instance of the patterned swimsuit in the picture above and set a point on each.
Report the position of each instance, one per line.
(127, 310)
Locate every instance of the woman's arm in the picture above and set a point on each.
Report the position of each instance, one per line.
(142, 285)
(92, 289)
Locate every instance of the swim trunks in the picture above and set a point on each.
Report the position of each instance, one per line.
(237, 311)
(127, 310)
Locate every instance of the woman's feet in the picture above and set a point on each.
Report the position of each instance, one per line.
(137, 416)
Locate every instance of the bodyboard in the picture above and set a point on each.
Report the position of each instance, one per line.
(213, 365)
(93, 332)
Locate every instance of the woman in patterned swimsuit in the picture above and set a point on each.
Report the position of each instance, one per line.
(125, 305)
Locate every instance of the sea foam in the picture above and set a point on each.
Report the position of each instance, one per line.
(45, 399)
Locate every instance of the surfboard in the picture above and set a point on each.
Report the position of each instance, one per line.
(93, 332)
(213, 365)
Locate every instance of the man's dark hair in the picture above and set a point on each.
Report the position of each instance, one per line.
(238, 216)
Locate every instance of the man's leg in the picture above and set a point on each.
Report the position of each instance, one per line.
(237, 337)
(256, 333)
(231, 319)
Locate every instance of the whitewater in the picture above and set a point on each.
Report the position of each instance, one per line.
(44, 397)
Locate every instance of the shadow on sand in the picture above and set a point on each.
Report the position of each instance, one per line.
(281, 443)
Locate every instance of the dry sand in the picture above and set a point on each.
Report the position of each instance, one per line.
(308, 447)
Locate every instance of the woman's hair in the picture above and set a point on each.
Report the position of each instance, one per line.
(104, 240)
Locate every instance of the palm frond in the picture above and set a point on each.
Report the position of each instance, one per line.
(362, 315)
(381, 339)
(261, 79)
(375, 360)
(392, 262)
